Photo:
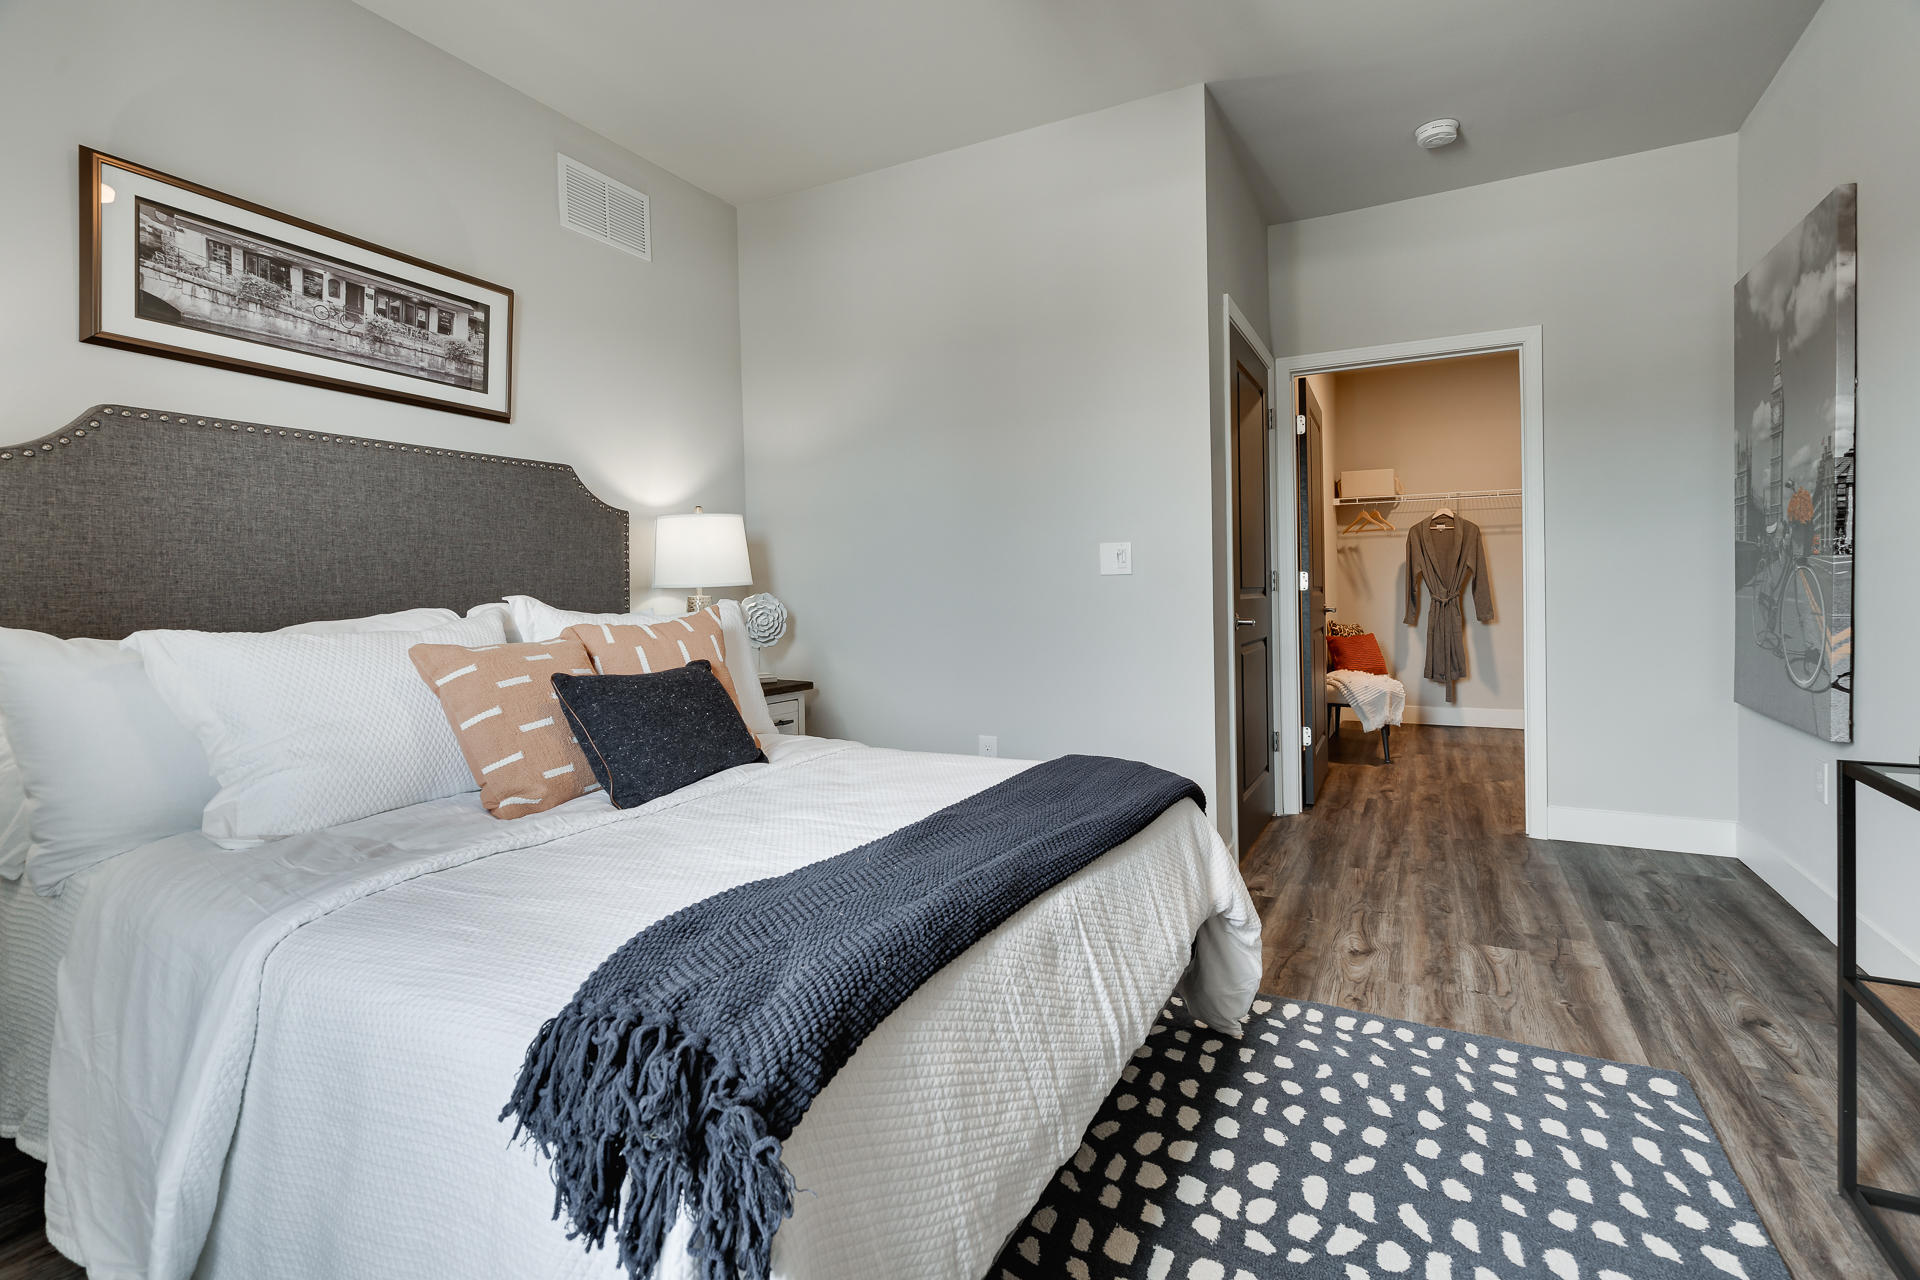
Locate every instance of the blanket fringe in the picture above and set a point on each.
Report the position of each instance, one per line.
(624, 1098)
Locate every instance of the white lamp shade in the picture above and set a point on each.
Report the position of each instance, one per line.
(700, 550)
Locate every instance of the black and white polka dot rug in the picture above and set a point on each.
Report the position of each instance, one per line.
(1328, 1143)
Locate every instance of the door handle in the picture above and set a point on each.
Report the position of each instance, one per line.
(1327, 608)
(1243, 622)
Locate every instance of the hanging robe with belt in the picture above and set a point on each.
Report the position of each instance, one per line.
(1445, 558)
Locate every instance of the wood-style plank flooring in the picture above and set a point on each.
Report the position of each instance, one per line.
(24, 1251)
(1410, 892)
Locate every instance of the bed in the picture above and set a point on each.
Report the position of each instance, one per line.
(33, 936)
(290, 1060)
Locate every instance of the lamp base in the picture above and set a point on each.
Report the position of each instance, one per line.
(698, 601)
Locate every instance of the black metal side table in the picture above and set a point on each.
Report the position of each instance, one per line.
(1893, 1002)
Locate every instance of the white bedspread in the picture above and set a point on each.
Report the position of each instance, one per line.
(369, 993)
(33, 936)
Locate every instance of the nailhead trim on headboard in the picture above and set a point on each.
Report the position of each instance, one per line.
(540, 515)
(45, 443)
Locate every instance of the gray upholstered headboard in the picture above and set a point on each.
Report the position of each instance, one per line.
(130, 518)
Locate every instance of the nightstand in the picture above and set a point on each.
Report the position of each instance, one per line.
(787, 702)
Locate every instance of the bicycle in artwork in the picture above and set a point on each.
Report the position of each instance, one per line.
(1791, 619)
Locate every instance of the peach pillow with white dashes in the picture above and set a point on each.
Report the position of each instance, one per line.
(638, 649)
(499, 700)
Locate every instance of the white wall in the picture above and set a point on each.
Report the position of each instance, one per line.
(1626, 266)
(1441, 425)
(1236, 266)
(626, 369)
(962, 375)
(1841, 110)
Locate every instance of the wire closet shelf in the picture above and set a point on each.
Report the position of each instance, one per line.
(1453, 498)
(1369, 514)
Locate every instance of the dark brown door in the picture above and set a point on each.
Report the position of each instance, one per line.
(1252, 592)
(1313, 603)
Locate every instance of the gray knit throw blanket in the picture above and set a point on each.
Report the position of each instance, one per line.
(687, 1057)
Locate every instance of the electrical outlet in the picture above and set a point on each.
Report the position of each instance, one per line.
(1116, 557)
(989, 745)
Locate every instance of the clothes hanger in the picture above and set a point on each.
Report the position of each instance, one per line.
(1369, 518)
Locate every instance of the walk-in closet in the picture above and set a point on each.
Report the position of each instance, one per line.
(1412, 612)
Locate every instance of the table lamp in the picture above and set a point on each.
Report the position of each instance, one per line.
(694, 552)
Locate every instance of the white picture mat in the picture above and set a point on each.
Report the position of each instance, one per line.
(118, 290)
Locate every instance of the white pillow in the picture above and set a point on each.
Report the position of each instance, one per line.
(103, 764)
(13, 813)
(309, 731)
(503, 612)
(537, 621)
(405, 620)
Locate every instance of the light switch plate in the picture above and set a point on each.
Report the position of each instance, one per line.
(1116, 557)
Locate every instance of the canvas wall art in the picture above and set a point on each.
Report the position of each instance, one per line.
(1793, 475)
(173, 268)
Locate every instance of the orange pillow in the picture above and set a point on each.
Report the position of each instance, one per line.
(499, 700)
(638, 649)
(1356, 653)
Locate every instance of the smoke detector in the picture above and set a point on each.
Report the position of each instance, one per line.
(1435, 134)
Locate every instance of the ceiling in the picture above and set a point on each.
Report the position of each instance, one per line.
(753, 99)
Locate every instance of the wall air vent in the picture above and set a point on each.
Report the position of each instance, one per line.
(605, 210)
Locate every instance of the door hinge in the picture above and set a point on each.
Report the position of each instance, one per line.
(1300, 424)
(1306, 735)
(1304, 584)
(1273, 579)
(1276, 740)
(1272, 424)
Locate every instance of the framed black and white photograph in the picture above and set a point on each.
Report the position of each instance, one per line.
(1793, 475)
(176, 269)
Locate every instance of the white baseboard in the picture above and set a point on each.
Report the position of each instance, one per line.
(1473, 717)
(1805, 893)
(1714, 836)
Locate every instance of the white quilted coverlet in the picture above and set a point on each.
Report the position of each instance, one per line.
(33, 936)
(372, 989)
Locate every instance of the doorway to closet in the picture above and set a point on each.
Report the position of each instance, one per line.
(1408, 506)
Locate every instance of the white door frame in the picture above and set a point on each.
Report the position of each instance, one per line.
(1234, 320)
(1533, 540)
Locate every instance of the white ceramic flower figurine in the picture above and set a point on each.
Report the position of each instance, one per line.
(766, 619)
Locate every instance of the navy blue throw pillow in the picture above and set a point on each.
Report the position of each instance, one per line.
(647, 736)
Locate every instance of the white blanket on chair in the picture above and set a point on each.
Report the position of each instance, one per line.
(1377, 700)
